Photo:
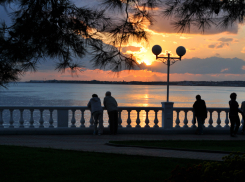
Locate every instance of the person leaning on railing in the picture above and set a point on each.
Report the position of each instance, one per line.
(110, 104)
(97, 112)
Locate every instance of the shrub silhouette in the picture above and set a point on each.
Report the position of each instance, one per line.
(231, 169)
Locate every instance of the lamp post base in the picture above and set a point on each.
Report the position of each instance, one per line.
(167, 115)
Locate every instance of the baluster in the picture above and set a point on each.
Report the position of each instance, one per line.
(138, 119)
(91, 121)
(82, 121)
(242, 123)
(177, 121)
(156, 120)
(11, 120)
(31, 119)
(1, 118)
(185, 120)
(226, 120)
(193, 120)
(73, 120)
(210, 119)
(21, 121)
(108, 123)
(129, 119)
(41, 121)
(147, 119)
(51, 121)
(119, 119)
(218, 120)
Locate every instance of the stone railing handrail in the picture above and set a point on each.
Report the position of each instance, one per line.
(77, 107)
(208, 108)
(119, 108)
(44, 107)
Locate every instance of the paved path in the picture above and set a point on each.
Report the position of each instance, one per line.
(97, 144)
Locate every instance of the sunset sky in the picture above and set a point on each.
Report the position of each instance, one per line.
(216, 55)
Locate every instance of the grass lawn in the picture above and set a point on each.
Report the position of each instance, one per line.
(38, 164)
(230, 146)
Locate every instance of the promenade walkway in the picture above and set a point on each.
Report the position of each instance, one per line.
(97, 144)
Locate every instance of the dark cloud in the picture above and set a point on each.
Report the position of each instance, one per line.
(223, 39)
(212, 65)
(222, 45)
(85, 63)
(222, 42)
(211, 46)
(195, 66)
(50, 64)
(218, 45)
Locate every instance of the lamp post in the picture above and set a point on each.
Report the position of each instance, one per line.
(156, 49)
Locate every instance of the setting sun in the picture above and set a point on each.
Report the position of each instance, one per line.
(147, 58)
(147, 62)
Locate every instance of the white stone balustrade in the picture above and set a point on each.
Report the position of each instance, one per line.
(209, 121)
(174, 119)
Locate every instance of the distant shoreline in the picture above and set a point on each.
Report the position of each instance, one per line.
(179, 83)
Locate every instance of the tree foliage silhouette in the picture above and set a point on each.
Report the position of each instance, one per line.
(202, 14)
(47, 29)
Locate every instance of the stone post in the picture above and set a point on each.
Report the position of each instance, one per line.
(167, 115)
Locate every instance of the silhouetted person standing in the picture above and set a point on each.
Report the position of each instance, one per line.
(200, 113)
(233, 115)
(110, 104)
(97, 112)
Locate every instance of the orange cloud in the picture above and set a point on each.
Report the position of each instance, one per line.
(131, 49)
(243, 50)
(226, 69)
(147, 8)
(183, 37)
(191, 49)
